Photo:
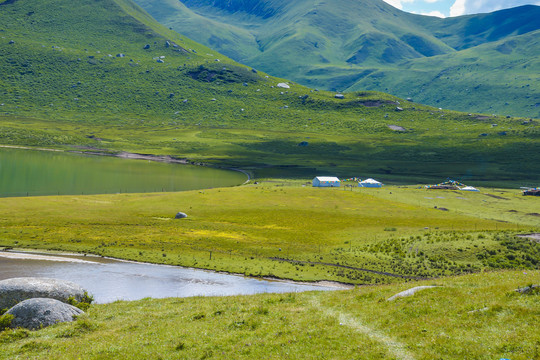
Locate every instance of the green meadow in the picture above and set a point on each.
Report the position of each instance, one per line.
(475, 316)
(287, 229)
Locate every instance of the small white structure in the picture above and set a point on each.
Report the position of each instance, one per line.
(326, 181)
(370, 183)
(468, 188)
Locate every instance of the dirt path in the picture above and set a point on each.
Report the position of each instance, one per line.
(393, 347)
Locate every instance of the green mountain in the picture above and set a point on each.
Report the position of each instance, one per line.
(103, 76)
(348, 45)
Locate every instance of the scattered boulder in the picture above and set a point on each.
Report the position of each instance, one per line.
(254, 71)
(503, 133)
(146, 47)
(38, 313)
(120, 55)
(303, 143)
(397, 128)
(529, 290)
(180, 215)
(411, 292)
(15, 290)
(167, 43)
(339, 96)
(12, 41)
(484, 134)
(160, 61)
(283, 86)
(245, 84)
(399, 108)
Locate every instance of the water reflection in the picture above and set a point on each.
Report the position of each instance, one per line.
(109, 280)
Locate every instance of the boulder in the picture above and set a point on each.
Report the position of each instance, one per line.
(38, 313)
(15, 290)
(283, 86)
(146, 47)
(339, 96)
(180, 215)
(411, 292)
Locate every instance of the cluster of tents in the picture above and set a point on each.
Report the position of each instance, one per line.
(331, 181)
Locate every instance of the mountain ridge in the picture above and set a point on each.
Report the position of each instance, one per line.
(345, 40)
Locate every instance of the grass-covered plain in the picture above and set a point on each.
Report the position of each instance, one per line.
(478, 316)
(286, 230)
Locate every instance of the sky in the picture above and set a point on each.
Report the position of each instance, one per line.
(445, 8)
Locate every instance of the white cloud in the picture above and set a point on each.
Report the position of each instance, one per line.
(458, 8)
(462, 7)
(395, 3)
(434, 13)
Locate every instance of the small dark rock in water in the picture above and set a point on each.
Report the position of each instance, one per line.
(40, 312)
(180, 215)
(146, 47)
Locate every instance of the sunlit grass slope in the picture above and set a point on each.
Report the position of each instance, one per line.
(289, 231)
(77, 74)
(478, 316)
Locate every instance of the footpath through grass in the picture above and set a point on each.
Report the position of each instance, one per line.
(478, 316)
(287, 230)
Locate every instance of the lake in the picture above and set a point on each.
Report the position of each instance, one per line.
(109, 280)
(32, 172)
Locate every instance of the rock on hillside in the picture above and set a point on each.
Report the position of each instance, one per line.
(38, 313)
(13, 291)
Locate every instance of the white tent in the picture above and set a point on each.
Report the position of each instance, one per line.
(326, 181)
(370, 183)
(469, 188)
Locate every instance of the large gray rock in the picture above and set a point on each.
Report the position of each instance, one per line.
(39, 313)
(13, 291)
(411, 292)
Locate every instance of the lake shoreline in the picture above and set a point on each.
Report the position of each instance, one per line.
(46, 254)
(167, 159)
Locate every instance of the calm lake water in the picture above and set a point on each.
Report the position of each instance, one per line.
(110, 280)
(32, 172)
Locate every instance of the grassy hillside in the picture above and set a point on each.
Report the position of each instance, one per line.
(350, 45)
(87, 82)
(285, 230)
(477, 316)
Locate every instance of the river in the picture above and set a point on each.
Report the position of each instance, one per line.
(109, 280)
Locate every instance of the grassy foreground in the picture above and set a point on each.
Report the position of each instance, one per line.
(287, 230)
(478, 316)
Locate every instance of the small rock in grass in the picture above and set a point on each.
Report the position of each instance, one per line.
(411, 292)
(180, 215)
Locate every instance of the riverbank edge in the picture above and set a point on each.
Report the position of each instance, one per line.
(168, 159)
(45, 253)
